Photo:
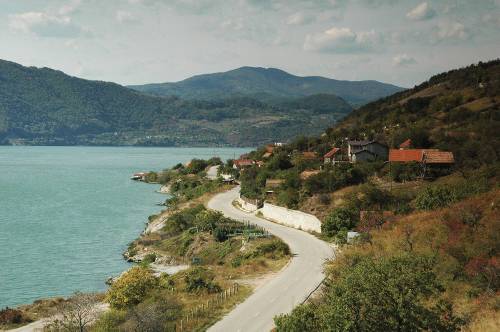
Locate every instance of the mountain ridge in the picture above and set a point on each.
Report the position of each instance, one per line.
(42, 106)
(268, 83)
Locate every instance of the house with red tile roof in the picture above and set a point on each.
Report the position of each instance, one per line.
(332, 156)
(243, 163)
(405, 145)
(426, 156)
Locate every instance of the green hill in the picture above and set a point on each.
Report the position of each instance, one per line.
(458, 110)
(426, 252)
(268, 84)
(46, 107)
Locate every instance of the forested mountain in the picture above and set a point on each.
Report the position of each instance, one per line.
(45, 106)
(267, 84)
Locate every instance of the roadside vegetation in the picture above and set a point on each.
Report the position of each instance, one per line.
(221, 256)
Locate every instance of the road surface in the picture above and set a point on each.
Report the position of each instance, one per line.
(212, 172)
(289, 288)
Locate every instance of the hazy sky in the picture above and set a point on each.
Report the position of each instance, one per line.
(142, 41)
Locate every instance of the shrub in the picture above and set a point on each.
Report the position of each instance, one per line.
(131, 288)
(110, 321)
(11, 316)
(288, 198)
(434, 197)
(302, 318)
(274, 249)
(149, 258)
(220, 234)
(339, 219)
(157, 313)
(199, 279)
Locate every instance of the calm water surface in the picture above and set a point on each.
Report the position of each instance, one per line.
(68, 213)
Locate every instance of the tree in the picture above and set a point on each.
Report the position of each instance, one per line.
(387, 294)
(302, 318)
(158, 313)
(131, 288)
(339, 219)
(76, 314)
(198, 279)
(434, 197)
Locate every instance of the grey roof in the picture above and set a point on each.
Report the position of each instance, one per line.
(366, 142)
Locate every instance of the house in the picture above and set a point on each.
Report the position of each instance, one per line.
(243, 163)
(424, 156)
(267, 155)
(405, 145)
(366, 151)
(307, 174)
(332, 156)
(363, 155)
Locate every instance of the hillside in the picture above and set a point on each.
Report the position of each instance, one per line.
(428, 243)
(267, 84)
(457, 111)
(48, 107)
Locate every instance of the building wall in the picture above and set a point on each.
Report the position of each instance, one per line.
(363, 156)
(291, 218)
(380, 150)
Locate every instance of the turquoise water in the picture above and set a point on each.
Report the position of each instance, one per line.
(68, 213)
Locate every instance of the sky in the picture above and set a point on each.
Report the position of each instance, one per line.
(402, 42)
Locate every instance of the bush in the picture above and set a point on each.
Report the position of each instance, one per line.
(157, 313)
(302, 318)
(288, 198)
(338, 220)
(434, 197)
(199, 279)
(273, 249)
(110, 321)
(220, 234)
(131, 288)
(11, 316)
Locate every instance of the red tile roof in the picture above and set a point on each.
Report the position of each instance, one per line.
(406, 144)
(438, 157)
(331, 153)
(406, 155)
(243, 162)
(429, 156)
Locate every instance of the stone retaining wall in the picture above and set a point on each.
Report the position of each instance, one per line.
(247, 206)
(291, 218)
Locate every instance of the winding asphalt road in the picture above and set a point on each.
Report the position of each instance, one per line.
(289, 288)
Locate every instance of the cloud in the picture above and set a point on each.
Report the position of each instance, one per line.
(233, 24)
(421, 12)
(341, 40)
(298, 18)
(402, 60)
(45, 25)
(70, 7)
(451, 31)
(125, 17)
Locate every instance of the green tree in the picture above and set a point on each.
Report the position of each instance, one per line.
(434, 197)
(131, 288)
(302, 318)
(389, 294)
(339, 219)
